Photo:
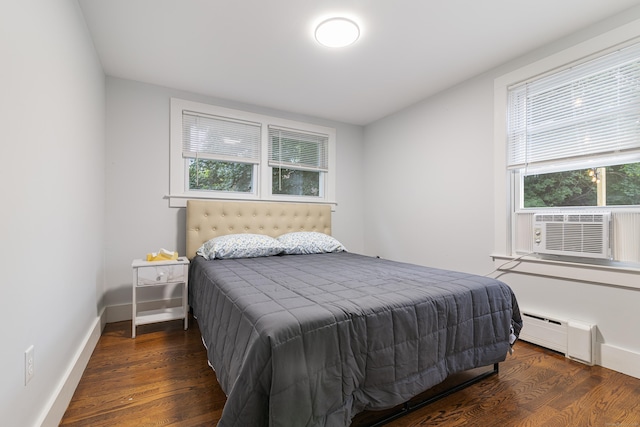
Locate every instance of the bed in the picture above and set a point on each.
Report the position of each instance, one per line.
(313, 339)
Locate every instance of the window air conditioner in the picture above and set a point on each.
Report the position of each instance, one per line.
(579, 234)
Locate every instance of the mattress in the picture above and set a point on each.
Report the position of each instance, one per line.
(311, 340)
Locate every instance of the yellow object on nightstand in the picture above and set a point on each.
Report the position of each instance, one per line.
(162, 255)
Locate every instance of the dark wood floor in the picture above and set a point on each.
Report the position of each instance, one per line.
(161, 378)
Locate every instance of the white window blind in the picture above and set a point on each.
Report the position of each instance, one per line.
(588, 112)
(289, 148)
(220, 138)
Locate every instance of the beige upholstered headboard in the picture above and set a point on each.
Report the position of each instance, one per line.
(207, 219)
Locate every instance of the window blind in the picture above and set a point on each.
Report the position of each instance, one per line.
(220, 138)
(588, 112)
(293, 149)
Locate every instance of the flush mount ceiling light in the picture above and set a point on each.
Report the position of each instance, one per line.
(337, 32)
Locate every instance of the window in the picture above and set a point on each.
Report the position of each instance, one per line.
(221, 153)
(574, 135)
(231, 154)
(297, 160)
(567, 133)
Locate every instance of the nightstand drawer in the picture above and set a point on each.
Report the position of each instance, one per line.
(153, 275)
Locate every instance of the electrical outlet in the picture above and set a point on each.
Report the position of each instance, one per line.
(29, 368)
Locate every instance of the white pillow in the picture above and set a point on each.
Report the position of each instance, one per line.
(309, 242)
(240, 246)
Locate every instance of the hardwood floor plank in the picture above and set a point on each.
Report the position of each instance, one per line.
(161, 378)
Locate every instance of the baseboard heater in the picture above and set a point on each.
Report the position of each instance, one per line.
(575, 339)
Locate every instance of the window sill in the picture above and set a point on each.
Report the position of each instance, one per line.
(623, 276)
(180, 200)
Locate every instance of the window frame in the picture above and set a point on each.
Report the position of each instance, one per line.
(179, 172)
(507, 183)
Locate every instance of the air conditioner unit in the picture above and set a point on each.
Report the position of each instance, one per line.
(579, 234)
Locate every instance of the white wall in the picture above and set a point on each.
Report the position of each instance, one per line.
(52, 108)
(436, 205)
(429, 181)
(138, 217)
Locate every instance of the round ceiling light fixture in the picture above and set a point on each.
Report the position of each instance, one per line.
(337, 32)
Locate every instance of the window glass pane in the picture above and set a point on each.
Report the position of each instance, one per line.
(623, 184)
(588, 109)
(559, 189)
(295, 152)
(297, 149)
(295, 182)
(220, 138)
(206, 174)
(617, 185)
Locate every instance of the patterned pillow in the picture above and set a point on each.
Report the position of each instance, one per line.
(240, 246)
(309, 242)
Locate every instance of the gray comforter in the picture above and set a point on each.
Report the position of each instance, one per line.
(311, 340)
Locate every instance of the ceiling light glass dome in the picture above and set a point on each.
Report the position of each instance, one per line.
(337, 32)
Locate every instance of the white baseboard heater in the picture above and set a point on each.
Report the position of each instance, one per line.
(575, 339)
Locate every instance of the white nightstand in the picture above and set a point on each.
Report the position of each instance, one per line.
(160, 273)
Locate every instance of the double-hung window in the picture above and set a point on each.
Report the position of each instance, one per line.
(298, 161)
(221, 153)
(574, 135)
(573, 143)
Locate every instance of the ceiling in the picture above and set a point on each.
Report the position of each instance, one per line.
(263, 52)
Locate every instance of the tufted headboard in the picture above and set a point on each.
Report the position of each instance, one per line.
(207, 219)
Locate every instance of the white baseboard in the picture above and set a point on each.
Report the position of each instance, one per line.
(119, 313)
(54, 409)
(57, 405)
(620, 359)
